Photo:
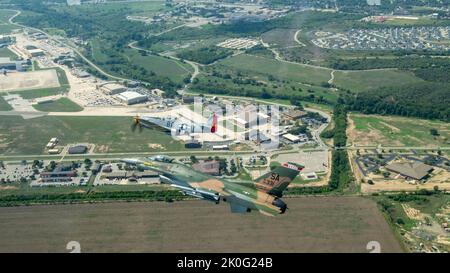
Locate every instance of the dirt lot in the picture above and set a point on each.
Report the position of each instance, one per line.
(312, 224)
(29, 80)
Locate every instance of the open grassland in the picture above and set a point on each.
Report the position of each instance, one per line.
(5, 26)
(164, 67)
(4, 106)
(396, 131)
(60, 105)
(288, 71)
(368, 80)
(280, 37)
(141, 8)
(312, 224)
(110, 134)
(353, 80)
(6, 53)
(24, 189)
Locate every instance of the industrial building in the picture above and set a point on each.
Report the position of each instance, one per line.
(78, 149)
(6, 40)
(242, 122)
(131, 97)
(112, 88)
(257, 136)
(35, 52)
(294, 114)
(61, 173)
(6, 63)
(192, 144)
(413, 170)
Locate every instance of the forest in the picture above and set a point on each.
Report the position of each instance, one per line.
(423, 100)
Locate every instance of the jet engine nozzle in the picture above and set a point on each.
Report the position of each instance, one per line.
(280, 204)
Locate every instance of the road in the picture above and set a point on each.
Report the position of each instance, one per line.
(296, 38)
(75, 50)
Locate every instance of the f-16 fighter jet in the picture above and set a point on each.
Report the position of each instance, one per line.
(263, 194)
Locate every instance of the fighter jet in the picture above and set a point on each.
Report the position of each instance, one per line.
(261, 195)
(177, 125)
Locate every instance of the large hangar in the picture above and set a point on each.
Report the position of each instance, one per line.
(130, 97)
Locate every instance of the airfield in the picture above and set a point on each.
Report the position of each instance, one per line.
(312, 224)
(30, 80)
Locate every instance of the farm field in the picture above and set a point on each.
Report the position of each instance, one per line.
(396, 131)
(60, 105)
(110, 134)
(313, 224)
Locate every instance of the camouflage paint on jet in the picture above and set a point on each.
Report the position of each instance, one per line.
(262, 195)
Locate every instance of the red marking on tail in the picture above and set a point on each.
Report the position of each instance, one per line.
(214, 124)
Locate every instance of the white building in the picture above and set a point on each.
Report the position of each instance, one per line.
(241, 122)
(291, 138)
(130, 97)
(36, 52)
(309, 176)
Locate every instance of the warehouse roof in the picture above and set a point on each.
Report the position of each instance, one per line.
(79, 149)
(129, 95)
(291, 137)
(416, 170)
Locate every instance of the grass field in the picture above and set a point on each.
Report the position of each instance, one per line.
(287, 71)
(4, 106)
(367, 80)
(353, 80)
(25, 189)
(174, 70)
(110, 134)
(280, 37)
(397, 131)
(312, 224)
(60, 105)
(5, 27)
(6, 53)
(43, 92)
